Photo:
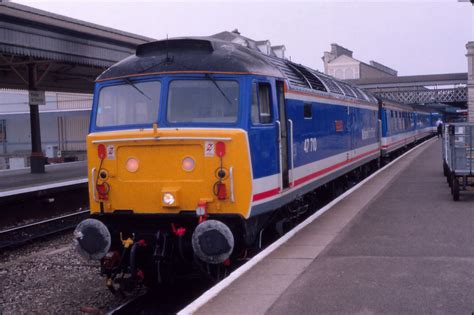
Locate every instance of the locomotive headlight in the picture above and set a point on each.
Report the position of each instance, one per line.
(132, 165)
(168, 199)
(188, 164)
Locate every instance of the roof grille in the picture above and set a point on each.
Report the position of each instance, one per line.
(359, 93)
(330, 84)
(300, 76)
(295, 78)
(313, 81)
(347, 89)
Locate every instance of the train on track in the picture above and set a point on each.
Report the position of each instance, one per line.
(198, 146)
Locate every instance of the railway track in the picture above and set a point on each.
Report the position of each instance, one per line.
(17, 236)
(164, 300)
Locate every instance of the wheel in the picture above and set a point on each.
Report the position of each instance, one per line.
(445, 169)
(455, 189)
(450, 180)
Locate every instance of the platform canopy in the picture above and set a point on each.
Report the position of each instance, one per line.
(67, 54)
(40, 50)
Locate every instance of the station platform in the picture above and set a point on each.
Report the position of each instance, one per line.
(21, 181)
(396, 244)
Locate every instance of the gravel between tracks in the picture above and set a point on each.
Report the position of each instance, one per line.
(49, 278)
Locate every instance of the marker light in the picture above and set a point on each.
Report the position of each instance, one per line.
(101, 151)
(220, 149)
(131, 165)
(168, 199)
(188, 164)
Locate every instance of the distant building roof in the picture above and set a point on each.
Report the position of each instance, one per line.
(338, 51)
(383, 68)
(236, 37)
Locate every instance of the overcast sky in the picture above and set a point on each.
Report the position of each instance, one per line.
(413, 37)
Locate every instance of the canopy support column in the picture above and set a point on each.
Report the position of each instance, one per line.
(37, 159)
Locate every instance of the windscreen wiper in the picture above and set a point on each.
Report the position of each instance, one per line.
(130, 82)
(218, 87)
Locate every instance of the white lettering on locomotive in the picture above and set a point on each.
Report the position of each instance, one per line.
(310, 145)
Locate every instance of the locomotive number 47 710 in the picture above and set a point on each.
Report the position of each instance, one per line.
(310, 145)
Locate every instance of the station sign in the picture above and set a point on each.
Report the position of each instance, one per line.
(36, 98)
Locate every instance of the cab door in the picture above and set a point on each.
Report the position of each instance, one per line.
(264, 140)
(284, 136)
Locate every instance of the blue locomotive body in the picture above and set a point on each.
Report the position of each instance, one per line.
(199, 141)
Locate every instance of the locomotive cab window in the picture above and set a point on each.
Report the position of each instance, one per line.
(133, 103)
(261, 103)
(203, 101)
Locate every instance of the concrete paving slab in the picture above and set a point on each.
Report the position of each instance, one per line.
(297, 251)
(282, 266)
(237, 304)
(262, 284)
(311, 238)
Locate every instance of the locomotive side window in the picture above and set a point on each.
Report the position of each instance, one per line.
(209, 101)
(261, 104)
(134, 103)
(308, 111)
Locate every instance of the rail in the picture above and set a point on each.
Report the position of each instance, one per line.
(20, 235)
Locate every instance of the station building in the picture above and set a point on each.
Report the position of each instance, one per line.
(340, 64)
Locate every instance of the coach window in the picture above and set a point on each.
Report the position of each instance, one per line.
(261, 104)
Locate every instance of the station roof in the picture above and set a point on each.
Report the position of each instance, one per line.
(412, 80)
(69, 53)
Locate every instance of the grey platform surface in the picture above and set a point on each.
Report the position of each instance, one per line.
(397, 245)
(11, 180)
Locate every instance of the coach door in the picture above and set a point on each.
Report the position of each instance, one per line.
(285, 128)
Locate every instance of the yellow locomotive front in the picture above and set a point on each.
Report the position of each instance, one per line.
(169, 171)
(164, 175)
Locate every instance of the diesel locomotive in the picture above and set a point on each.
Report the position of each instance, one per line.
(197, 146)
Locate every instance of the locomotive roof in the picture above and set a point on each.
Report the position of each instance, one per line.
(196, 54)
(208, 54)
